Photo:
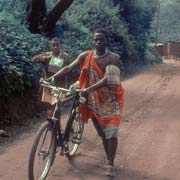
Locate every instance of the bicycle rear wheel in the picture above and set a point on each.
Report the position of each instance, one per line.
(76, 133)
(42, 153)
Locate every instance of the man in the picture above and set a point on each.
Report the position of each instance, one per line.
(100, 83)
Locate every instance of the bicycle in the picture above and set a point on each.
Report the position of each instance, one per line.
(50, 135)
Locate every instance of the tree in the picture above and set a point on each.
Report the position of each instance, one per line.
(169, 25)
(41, 22)
(138, 15)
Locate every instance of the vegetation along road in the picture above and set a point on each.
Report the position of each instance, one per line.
(149, 147)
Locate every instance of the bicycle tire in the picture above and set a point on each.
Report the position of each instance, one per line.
(75, 138)
(44, 154)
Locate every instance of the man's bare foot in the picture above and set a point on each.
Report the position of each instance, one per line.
(110, 171)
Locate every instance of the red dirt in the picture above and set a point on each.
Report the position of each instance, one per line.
(149, 147)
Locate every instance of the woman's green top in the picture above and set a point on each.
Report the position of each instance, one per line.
(55, 64)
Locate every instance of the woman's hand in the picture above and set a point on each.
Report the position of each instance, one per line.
(48, 80)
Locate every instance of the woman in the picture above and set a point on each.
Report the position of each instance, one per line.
(53, 60)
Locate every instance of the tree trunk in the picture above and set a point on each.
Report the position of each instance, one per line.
(37, 13)
(39, 22)
(55, 14)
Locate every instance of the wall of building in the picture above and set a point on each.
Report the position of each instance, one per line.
(169, 49)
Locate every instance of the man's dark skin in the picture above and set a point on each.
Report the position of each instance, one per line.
(103, 59)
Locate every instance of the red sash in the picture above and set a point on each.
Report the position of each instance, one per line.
(103, 104)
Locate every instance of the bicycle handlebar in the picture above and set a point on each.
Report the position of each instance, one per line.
(59, 89)
(48, 85)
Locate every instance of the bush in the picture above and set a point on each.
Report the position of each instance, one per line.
(17, 71)
(152, 57)
(81, 20)
(18, 74)
(128, 24)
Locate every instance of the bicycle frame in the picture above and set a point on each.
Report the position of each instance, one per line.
(50, 135)
(75, 104)
(55, 119)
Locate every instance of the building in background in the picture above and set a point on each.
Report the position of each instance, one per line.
(170, 49)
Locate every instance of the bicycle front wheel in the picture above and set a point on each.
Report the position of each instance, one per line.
(76, 133)
(42, 153)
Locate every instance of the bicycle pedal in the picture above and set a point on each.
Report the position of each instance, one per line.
(76, 141)
(64, 150)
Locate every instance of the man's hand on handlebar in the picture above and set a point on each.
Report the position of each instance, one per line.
(85, 92)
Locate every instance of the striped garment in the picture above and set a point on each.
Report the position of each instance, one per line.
(106, 103)
(113, 75)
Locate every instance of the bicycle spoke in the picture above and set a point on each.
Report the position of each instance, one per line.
(75, 136)
(42, 153)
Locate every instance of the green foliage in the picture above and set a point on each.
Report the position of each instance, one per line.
(81, 20)
(169, 26)
(152, 56)
(128, 23)
(138, 14)
(13, 11)
(17, 71)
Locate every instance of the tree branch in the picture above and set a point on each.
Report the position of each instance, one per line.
(37, 12)
(55, 14)
(39, 22)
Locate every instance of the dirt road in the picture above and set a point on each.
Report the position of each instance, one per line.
(149, 136)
